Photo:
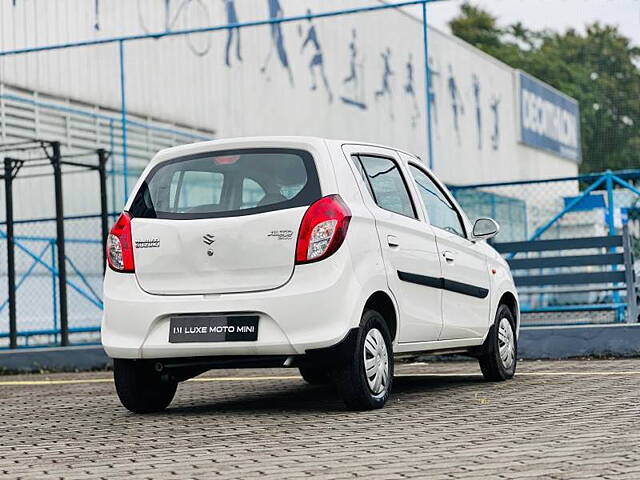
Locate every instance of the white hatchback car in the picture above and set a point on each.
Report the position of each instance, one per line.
(324, 255)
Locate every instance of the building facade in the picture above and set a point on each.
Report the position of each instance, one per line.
(358, 76)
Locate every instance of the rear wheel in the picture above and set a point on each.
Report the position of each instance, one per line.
(499, 359)
(314, 375)
(364, 380)
(140, 388)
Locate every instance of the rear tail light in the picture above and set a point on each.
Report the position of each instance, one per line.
(323, 229)
(120, 245)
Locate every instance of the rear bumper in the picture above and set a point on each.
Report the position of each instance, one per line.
(314, 310)
(180, 369)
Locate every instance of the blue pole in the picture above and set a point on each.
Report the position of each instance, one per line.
(112, 169)
(427, 84)
(610, 202)
(123, 121)
(625, 184)
(611, 222)
(54, 293)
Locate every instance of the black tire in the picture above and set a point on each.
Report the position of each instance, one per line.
(315, 375)
(140, 388)
(351, 378)
(493, 367)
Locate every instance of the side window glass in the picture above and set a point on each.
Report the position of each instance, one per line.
(252, 193)
(190, 188)
(442, 213)
(387, 185)
(356, 162)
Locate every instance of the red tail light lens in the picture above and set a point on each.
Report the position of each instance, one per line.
(120, 245)
(323, 229)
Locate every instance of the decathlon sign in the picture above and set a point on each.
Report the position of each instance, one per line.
(549, 120)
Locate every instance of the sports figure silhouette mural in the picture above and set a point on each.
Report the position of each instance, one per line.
(187, 13)
(96, 12)
(410, 90)
(476, 95)
(277, 39)
(434, 74)
(354, 82)
(495, 110)
(457, 108)
(232, 17)
(387, 72)
(317, 60)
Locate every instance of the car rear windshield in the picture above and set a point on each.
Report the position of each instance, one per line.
(228, 183)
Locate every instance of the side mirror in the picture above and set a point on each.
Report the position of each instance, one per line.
(485, 228)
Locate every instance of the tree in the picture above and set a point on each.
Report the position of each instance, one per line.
(599, 68)
(477, 27)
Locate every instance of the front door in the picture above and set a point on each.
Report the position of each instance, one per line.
(465, 297)
(465, 271)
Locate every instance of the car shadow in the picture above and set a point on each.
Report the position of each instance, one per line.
(299, 396)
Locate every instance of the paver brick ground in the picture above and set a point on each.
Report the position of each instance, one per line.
(558, 420)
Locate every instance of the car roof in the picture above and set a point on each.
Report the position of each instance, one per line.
(265, 141)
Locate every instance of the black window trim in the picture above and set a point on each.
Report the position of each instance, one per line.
(404, 182)
(312, 189)
(446, 195)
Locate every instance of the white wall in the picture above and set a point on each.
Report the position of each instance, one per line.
(185, 79)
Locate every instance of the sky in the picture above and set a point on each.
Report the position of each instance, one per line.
(553, 14)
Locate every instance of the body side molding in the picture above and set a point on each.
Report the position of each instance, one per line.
(444, 284)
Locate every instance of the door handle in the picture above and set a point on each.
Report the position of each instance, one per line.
(448, 256)
(392, 241)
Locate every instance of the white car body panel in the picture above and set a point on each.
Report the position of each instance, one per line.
(300, 307)
(314, 309)
(248, 257)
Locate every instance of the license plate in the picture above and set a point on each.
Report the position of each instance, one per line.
(203, 328)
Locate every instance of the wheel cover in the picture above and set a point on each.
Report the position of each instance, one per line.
(376, 362)
(506, 343)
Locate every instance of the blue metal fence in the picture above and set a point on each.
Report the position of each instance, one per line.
(521, 211)
(556, 210)
(37, 280)
(568, 207)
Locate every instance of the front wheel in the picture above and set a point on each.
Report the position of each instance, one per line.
(364, 380)
(499, 359)
(140, 388)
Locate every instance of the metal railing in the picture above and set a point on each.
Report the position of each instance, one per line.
(593, 205)
(544, 209)
(46, 159)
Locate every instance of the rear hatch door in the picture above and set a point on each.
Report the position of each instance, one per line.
(221, 222)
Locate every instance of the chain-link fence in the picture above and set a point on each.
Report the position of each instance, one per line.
(52, 263)
(555, 208)
(37, 289)
(565, 208)
(548, 209)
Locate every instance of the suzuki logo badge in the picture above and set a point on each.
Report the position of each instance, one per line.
(209, 239)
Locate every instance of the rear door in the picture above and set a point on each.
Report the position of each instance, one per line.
(465, 271)
(408, 244)
(222, 221)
